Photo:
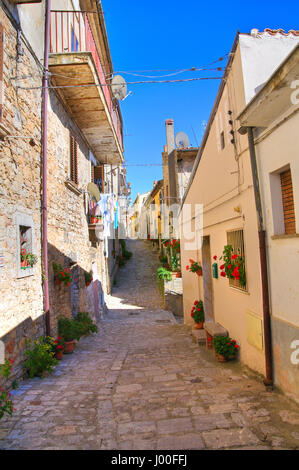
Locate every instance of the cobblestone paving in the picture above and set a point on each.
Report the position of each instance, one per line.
(142, 383)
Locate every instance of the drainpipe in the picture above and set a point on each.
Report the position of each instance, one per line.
(44, 167)
(263, 260)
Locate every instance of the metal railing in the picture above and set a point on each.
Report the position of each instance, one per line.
(70, 32)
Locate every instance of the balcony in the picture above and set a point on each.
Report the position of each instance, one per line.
(75, 66)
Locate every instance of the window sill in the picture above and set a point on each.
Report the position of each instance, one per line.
(25, 273)
(73, 187)
(283, 236)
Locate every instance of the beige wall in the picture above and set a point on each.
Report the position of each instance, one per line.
(222, 182)
(275, 149)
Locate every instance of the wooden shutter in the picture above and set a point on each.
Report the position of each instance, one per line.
(288, 202)
(99, 176)
(1, 70)
(73, 159)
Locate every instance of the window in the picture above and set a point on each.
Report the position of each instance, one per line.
(283, 208)
(222, 140)
(235, 238)
(73, 160)
(288, 202)
(26, 255)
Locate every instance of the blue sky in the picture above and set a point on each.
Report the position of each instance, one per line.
(164, 35)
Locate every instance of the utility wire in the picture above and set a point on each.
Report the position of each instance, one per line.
(129, 83)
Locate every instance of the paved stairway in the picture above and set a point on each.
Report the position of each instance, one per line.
(142, 383)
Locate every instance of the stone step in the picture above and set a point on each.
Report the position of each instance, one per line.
(199, 335)
(215, 329)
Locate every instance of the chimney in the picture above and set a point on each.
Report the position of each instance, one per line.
(169, 135)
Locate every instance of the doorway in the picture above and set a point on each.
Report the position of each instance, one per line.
(207, 279)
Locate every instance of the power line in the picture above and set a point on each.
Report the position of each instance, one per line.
(128, 83)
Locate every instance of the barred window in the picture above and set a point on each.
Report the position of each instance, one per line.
(235, 238)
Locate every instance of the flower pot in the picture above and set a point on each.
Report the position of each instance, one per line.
(57, 281)
(87, 283)
(59, 355)
(199, 325)
(176, 274)
(221, 358)
(69, 346)
(199, 272)
(93, 220)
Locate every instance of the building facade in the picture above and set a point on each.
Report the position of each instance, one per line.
(84, 146)
(273, 114)
(221, 184)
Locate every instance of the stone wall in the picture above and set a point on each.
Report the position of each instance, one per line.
(21, 303)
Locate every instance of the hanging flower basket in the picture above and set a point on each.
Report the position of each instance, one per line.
(62, 274)
(194, 267)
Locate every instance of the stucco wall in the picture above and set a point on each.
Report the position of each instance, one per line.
(276, 150)
(223, 182)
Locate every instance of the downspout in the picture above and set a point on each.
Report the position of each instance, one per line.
(44, 167)
(263, 260)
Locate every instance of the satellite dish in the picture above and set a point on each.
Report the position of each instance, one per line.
(182, 140)
(94, 191)
(119, 87)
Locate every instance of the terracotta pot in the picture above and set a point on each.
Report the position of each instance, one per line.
(199, 325)
(176, 274)
(88, 283)
(57, 281)
(93, 220)
(69, 347)
(59, 355)
(221, 358)
(199, 272)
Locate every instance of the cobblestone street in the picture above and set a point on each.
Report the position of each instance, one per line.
(142, 383)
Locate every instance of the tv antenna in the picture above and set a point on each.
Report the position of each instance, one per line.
(182, 140)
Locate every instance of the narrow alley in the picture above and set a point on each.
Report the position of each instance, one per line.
(142, 383)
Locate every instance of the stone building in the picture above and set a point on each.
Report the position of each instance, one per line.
(84, 145)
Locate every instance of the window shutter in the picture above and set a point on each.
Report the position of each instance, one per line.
(73, 159)
(99, 177)
(1, 70)
(288, 202)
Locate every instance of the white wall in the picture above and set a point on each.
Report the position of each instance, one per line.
(261, 56)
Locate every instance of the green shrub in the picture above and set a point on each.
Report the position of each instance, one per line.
(6, 405)
(84, 325)
(66, 328)
(225, 346)
(163, 273)
(40, 358)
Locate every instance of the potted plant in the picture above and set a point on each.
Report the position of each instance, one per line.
(233, 266)
(32, 259)
(225, 348)
(88, 278)
(58, 348)
(194, 267)
(67, 331)
(198, 314)
(62, 275)
(175, 266)
(24, 259)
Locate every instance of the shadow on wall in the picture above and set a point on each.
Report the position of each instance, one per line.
(78, 297)
(64, 300)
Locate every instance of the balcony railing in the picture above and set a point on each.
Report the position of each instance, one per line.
(70, 31)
